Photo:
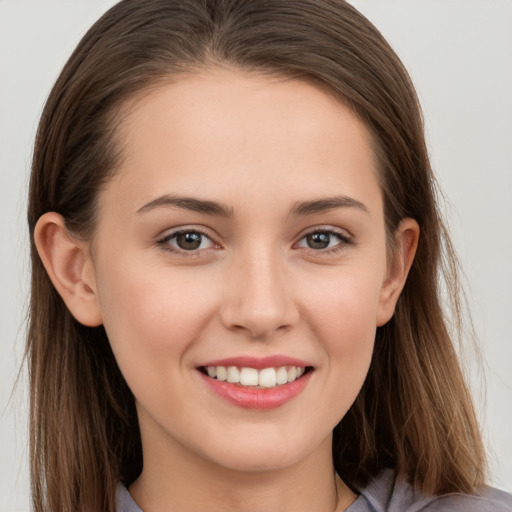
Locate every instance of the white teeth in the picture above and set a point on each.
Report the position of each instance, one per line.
(233, 374)
(282, 375)
(222, 373)
(267, 378)
(292, 373)
(251, 377)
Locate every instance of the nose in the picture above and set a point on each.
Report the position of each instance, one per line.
(259, 300)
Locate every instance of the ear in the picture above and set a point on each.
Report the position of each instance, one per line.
(69, 265)
(406, 243)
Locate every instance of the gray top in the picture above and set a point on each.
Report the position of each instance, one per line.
(386, 493)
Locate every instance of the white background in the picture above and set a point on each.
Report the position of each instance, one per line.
(459, 53)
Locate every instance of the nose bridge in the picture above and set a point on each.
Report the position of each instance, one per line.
(261, 298)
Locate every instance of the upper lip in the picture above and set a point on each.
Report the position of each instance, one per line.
(273, 361)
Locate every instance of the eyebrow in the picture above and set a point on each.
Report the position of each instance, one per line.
(326, 204)
(188, 203)
(303, 208)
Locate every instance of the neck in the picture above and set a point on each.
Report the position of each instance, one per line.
(184, 481)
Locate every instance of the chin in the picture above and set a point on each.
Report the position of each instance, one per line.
(267, 455)
(255, 463)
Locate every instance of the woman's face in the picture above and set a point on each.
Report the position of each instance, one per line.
(243, 236)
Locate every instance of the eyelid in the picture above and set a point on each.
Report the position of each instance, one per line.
(162, 240)
(345, 238)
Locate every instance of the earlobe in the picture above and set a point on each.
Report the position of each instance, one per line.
(406, 243)
(70, 268)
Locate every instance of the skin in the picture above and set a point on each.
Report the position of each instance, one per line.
(259, 147)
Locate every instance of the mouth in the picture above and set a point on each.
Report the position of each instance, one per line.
(256, 378)
(257, 383)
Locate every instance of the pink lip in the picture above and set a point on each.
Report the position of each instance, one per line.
(258, 362)
(257, 398)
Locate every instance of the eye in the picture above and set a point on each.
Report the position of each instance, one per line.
(322, 240)
(187, 240)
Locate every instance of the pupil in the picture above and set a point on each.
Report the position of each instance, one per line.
(318, 240)
(189, 241)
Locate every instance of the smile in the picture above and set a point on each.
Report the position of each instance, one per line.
(263, 378)
(257, 383)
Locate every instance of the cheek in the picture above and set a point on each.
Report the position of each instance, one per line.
(344, 306)
(153, 312)
(153, 323)
(344, 320)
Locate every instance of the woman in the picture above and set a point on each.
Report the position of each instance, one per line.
(236, 252)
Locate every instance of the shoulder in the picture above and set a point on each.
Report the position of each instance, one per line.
(125, 502)
(389, 493)
(489, 500)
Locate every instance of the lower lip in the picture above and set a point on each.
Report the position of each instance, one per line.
(257, 398)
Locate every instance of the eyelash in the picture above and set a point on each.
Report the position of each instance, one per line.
(164, 242)
(343, 242)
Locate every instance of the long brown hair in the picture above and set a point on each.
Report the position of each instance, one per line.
(414, 413)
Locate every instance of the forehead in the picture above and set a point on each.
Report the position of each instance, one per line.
(219, 130)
